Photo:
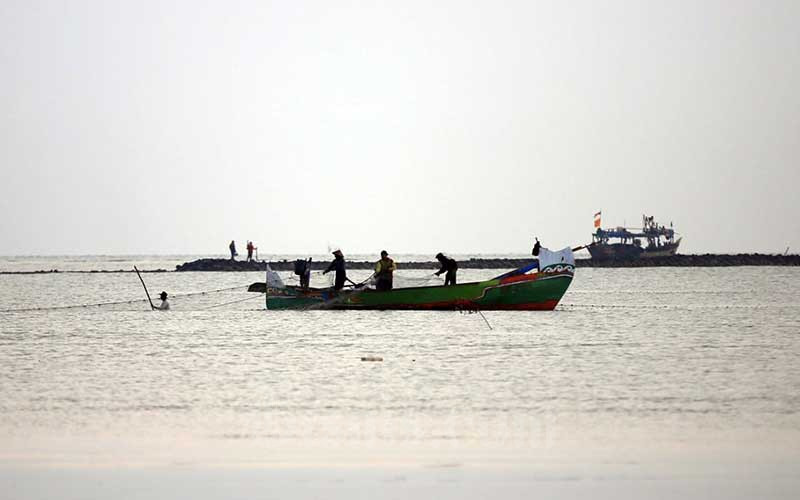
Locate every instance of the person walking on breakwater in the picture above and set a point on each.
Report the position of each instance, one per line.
(232, 248)
(164, 306)
(449, 266)
(384, 272)
(337, 265)
(250, 248)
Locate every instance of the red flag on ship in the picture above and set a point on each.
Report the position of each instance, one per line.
(597, 220)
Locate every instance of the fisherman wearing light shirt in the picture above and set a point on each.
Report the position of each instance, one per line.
(164, 306)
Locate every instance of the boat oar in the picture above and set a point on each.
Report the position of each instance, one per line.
(584, 246)
(356, 285)
(145, 288)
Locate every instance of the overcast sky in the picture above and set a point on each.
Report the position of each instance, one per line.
(174, 127)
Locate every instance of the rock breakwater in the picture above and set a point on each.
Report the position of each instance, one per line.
(697, 260)
(223, 265)
(701, 260)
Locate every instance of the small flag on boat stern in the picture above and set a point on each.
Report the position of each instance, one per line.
(597, 219)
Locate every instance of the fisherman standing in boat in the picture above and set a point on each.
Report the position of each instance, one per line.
(384, 272)
(338, 266)
(449, 266)
(302, 268)
(164, 306)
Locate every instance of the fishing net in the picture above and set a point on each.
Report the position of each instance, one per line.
(123, 292)
(402, 279)
(235, 297)
(409, 280)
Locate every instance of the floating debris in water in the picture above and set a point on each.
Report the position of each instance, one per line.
(371, 358)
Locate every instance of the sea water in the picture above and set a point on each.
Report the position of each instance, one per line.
(650, 382)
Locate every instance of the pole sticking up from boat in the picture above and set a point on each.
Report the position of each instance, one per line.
(152, 307)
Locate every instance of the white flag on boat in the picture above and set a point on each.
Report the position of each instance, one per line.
(549, 260)
(274, 279)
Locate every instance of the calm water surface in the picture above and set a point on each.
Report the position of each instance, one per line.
(655, 369)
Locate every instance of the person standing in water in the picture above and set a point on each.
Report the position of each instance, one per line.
(449, 266)
(384, 272)
(232, 248)
(338, 266)
(164, 306)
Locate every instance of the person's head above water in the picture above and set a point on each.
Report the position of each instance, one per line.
(163, 295)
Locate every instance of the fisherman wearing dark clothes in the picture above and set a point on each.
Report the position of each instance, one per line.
(302, 268)
(449, 266)
(384, 272)
(536, 247)
(232, 248)
(535, 251)
(338, 266)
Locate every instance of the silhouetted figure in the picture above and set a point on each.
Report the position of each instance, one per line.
(384, 272)
(536, 247)
(250, 248)
(338, 266)
(232, 248)
(449, 266)
(302, 268)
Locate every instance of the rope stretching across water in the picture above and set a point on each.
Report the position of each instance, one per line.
(121, 302)
(231, 302)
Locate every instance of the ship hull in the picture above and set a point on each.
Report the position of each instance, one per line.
(624, 251)
(666, 250)
(615, 251)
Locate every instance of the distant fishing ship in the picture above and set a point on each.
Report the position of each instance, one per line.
(628, 243)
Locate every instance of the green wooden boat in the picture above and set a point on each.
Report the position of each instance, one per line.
(515, 290)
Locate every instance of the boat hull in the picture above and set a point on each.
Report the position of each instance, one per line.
(666, 250)
(626, 251)
(614, 251)
(539, 291)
